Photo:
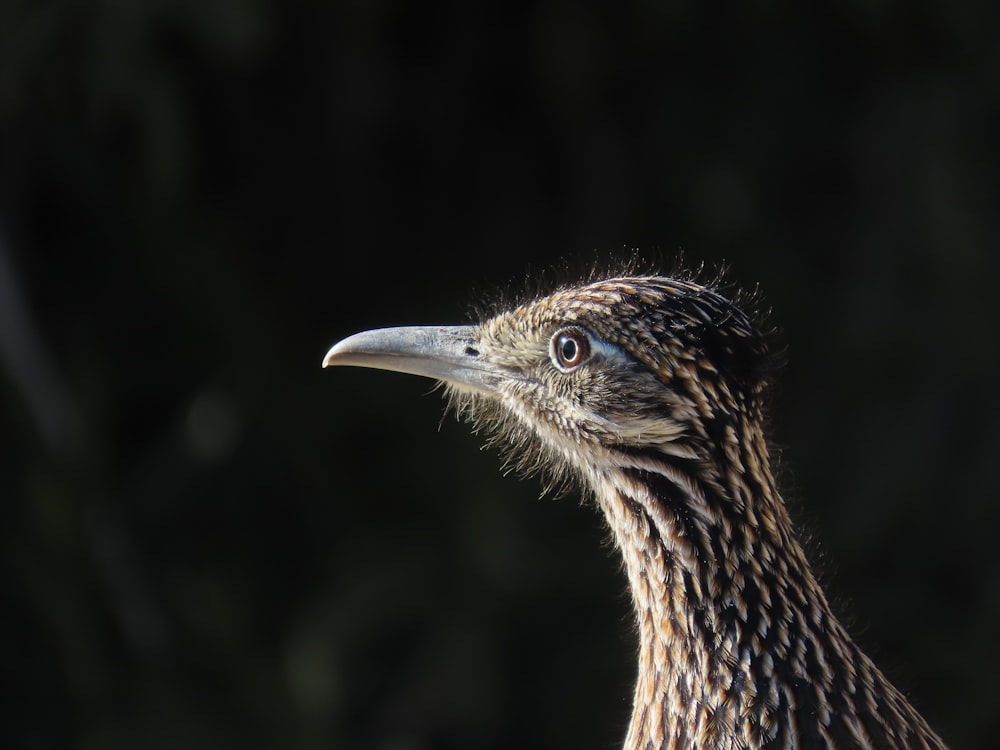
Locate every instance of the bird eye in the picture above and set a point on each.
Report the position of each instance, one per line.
(570, 348)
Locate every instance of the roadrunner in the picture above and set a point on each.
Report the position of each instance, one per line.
(649, 392)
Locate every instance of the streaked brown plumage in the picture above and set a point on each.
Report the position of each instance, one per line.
(649, 392)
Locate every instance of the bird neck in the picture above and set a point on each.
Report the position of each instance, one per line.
(722, 590)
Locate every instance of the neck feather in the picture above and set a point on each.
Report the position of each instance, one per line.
(738, 645)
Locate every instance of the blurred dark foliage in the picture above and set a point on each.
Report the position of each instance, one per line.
(208, 541)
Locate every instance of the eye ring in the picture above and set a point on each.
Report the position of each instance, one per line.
(569, 348)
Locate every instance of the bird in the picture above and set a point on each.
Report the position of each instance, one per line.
(649, 393)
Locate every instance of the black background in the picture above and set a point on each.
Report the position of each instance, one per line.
(208, 541)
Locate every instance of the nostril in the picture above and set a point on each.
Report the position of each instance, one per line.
(472, 351)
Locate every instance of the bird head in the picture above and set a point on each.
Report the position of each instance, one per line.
(577, 379)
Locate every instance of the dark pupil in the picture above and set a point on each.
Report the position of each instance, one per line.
(568, 349)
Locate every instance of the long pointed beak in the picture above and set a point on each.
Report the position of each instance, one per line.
(448, 353)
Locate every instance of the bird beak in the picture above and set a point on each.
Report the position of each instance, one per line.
(448, 353)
